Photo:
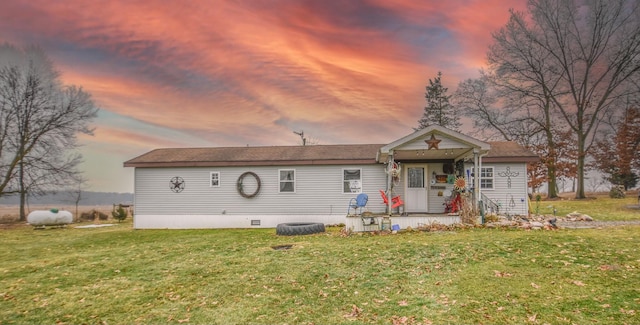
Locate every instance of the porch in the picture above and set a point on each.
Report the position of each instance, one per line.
(427, 168)
(373, 222)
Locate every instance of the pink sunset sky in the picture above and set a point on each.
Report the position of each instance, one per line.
(237, 73)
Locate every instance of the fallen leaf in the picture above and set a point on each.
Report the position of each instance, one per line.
(355, 312)
(533, 317)
(499, 274)
(578, 283)
(535, 285)
(403, 303)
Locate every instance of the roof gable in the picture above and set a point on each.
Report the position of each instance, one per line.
(417, 137)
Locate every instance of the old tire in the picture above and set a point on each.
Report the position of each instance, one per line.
(299, 228)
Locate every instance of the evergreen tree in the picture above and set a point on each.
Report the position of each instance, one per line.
(438, 110)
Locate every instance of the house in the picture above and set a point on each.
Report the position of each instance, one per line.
(243, 187)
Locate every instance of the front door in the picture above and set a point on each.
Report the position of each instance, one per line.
(416, 191)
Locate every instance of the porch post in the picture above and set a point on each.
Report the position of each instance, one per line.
(476, 177)
(389, 182)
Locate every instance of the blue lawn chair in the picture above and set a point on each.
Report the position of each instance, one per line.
(357, 203)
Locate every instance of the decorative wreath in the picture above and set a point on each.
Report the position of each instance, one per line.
(241, 189)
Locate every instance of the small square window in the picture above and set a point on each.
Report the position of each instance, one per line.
(287, 180)
(351, 181)
(214, 178)
(486, 178)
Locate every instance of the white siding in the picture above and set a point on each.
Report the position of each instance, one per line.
(512, 200)
(318, 193)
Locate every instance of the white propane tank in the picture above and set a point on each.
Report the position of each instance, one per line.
(51, 217)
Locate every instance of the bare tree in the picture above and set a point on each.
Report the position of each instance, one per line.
(582, 56)
(40, 118)
(497, 113)
(510, 110)
(77, 194)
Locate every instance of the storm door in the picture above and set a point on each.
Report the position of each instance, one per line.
(416, 192)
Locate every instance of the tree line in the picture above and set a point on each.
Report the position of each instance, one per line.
(40, 118)
(562, 79)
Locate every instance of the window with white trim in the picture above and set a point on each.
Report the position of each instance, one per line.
(486, 178)
(352, 181)
(287, 180)
(214, 179)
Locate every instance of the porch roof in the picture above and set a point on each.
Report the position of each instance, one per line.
(452, 145)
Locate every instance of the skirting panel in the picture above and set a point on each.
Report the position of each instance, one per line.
(227, 221)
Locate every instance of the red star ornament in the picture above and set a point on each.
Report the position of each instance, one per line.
(433, 142)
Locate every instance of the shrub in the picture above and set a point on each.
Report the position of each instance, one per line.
(92, 215)
(491, 217)
(617, 192)
(119, 214)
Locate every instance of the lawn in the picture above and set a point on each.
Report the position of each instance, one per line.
(117, 275)
(599, 206)
(120, 275)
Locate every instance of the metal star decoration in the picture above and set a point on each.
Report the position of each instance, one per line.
(176, 184)
(433, 142)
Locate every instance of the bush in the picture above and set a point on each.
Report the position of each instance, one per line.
(119, 214)
(617, 192)
(92, 215)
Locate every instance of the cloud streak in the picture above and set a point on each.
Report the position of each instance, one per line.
(228, 73)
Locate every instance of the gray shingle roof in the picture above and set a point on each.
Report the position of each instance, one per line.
(243, 156)
(296, 155)
(508, 151)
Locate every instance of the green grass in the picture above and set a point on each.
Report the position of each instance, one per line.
(600, 207)
(118, 275)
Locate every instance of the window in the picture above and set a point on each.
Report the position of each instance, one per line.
(214, 177)
(287, 180)
(415, 177)
(486, 177)
(351, 181)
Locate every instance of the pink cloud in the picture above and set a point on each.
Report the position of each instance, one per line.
(234, 73)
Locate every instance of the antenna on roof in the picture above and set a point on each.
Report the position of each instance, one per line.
(301, 134)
